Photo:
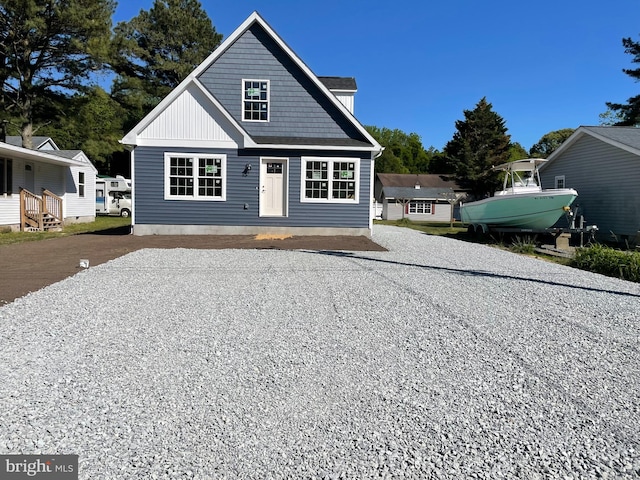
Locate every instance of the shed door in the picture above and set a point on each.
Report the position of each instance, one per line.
(273, 187)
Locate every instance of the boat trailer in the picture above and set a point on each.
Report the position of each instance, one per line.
(576, 226)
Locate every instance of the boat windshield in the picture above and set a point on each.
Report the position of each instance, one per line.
(520, 179)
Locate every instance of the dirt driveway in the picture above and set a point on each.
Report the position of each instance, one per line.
(30, 266)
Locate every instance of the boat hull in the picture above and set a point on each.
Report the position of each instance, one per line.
(531, 210)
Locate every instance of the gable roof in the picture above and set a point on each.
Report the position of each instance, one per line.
(412, 193)
(39, 143)
(339, 84)
(45, 156)
(241, 134)
(409, 180)
(625, 138)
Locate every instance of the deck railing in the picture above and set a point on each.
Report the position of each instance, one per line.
(38, 213)
(30, 211)
(52, 205)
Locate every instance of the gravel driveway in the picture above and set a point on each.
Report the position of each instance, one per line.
(437, 359)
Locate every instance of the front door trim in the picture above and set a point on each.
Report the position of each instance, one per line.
(266, 180)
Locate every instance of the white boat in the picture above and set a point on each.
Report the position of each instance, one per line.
(522, 203)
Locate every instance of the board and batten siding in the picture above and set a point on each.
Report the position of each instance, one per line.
(607, 180)
(198, 121)
(152, 209)
(297, 107)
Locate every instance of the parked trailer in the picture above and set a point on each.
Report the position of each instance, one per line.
(576, 226)
(113, 196)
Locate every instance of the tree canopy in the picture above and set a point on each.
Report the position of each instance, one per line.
(156, 50)
(630, 111)
(48, 48)
(403, 153)
(479, 143)
(549, 142)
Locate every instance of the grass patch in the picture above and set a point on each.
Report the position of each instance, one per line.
(608, 261)
(432, 228)
(101, 223)
(597, 258)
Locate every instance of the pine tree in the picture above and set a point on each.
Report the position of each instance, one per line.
(49, 48)
(480, 142)
(156, 50)
(630, 111)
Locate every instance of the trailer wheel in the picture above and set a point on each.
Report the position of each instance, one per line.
(125, 213)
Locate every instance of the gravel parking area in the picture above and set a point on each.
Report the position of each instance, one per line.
(436, 359)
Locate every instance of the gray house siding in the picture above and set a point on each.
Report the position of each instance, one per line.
(607, 181)
(152, 209)
(298, 108)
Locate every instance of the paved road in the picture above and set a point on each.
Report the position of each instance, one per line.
(436, 359)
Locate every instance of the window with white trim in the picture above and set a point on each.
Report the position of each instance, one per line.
(420, 206)
(255, 100)
(81, 184)
(194, 176)
(559, 183)
(333, 180)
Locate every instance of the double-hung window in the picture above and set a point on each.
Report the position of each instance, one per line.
(81, 184)
(331, 180)
(255, 102)
(559, 181)
(194, 176)
(6, 176)
(420, 206)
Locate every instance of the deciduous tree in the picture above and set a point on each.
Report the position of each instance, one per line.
(403, 153)
(549, 142)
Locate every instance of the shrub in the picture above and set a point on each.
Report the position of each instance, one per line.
(525, 245)
(608, 261)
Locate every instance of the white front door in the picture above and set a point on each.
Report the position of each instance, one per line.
(273, 187)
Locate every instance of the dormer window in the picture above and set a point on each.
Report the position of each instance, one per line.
(255, 102)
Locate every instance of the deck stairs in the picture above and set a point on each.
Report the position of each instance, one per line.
(40, 213)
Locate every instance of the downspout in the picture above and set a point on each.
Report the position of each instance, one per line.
(132, 165)
(372, 186)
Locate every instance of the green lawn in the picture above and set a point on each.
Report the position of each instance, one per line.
(432, 228)
(100, 223)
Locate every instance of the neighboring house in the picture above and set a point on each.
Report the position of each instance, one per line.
(603, 165)
(45, 180)
(422, 197)
(253, 142)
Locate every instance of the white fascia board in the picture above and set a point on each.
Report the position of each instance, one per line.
(303, 66)
(26, 154)
(579, 133)
(566, 144)
(610, 141)
(82, 157)
(131, 137)
(248, 141)
(313, 147)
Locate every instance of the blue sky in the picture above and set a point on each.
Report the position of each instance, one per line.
(544, 65)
